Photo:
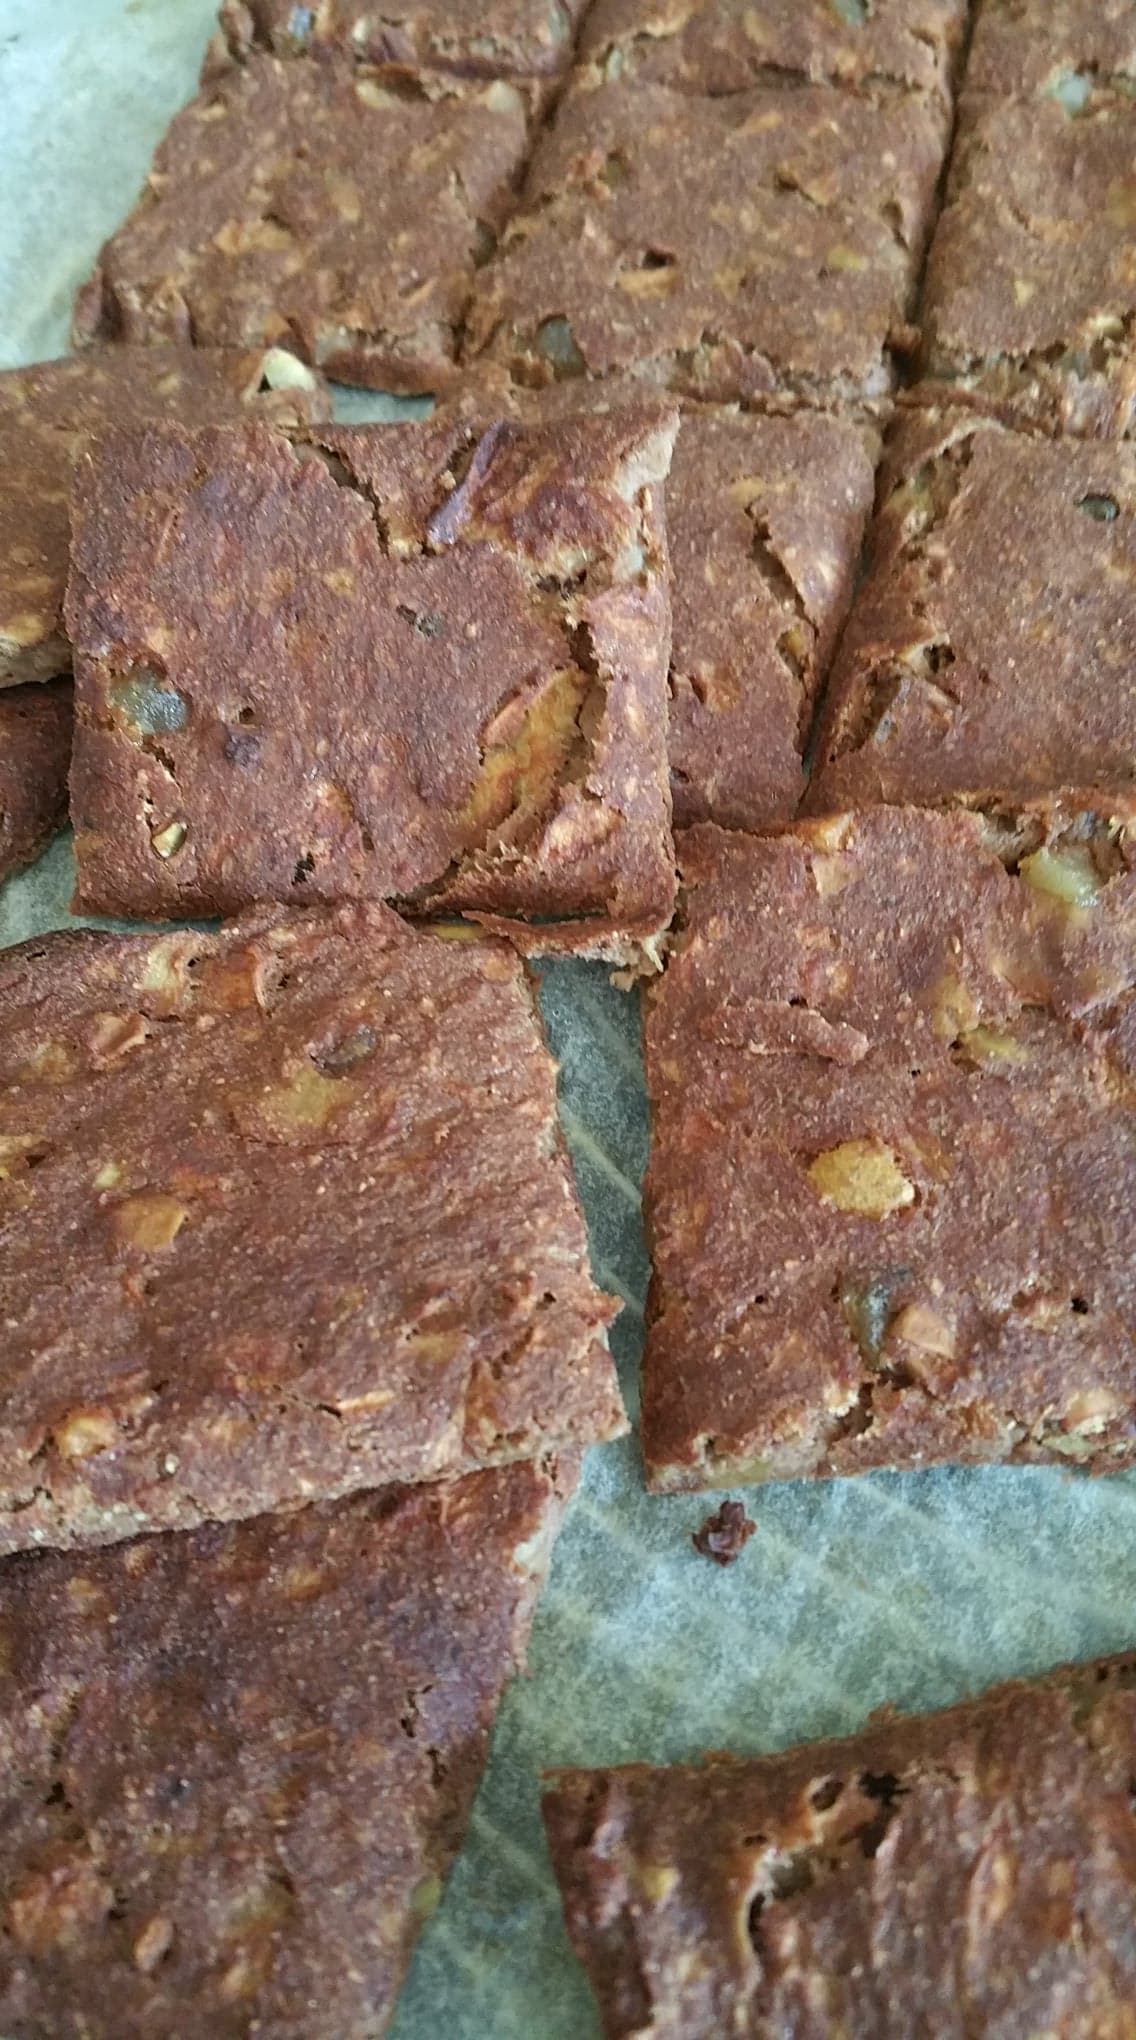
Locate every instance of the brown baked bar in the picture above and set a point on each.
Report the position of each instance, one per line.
(239, 1762)
(724, 46)
(413, 662)
(1029, 294)
(990, 649)
(507, 39)
(788, 266)
(893, 1170)
(49, 411)
(1063, 47)
(765, 520)
(320, 1229)
(969, 1872)
(318, 206)
(35, 751)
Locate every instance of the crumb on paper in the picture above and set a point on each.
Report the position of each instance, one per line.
(724, 1535)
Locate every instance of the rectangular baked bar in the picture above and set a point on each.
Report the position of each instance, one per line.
(989, 650)
(239, 1762)
(35, 751)
(967, 1872)
(724, 46)
(1060, 47)
(1029, 298)
(789, 266)
(422, 663)
(49, 411)
(893, 1171)
(285, 1213)
(323, 207)
(506, 39)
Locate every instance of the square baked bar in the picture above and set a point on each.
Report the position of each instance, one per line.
(285, 1213)
(728, 248)
(321, 207)
(893, 1171)
(48, 412)
(35, 752)
(724, 46)
(504, 39)
(969, 1872)
(992, 646)
(1062, 47)
(416, 662)
(1030, 291)
(239, 1763)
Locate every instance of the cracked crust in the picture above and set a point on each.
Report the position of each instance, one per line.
(48, 412)
(890, 1064)
(322, 1232)
(506, 39)
(1030, 298)
(35, 750)
(726, 46)
(418, 663)
(325, 207)
(789, 268)
(1051, 46)
(988, 651)
(765, 521)
(966, 1872)
(240, 1762)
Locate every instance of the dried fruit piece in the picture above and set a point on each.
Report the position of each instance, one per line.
(862, 1177)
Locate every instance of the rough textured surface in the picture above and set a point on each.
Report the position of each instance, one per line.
(35, 751)
(320, 206)
(789, 265)
(990, 648)
(508, 38)
(240, 1763)
(1030, 298)
(765, 521)
(967, 1872)
(321, 1232)
(416, 662)
(1056, 46)
(893, 1168)
(724, 46)
(49, 411)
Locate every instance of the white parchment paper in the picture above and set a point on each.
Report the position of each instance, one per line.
(911, 1589)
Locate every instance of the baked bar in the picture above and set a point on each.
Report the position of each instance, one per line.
(722, 46)
(321, 1231)
(49, 411)
(507, 39)
(893, 1167)
(1063, 47)
(414, 663)
(765, 521)
(788, 267)
(319, 206)
(1029, 300)
(35, 751)
(990, 649)
(240, 1762)
(972, 1871)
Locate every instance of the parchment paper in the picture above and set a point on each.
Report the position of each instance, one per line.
(912, 1589)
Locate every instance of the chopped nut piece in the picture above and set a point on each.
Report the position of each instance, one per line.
(924, 1328)
(862, 1176)
(85, 1432)
(150, 1222)
(1067, 874)
(168, 841)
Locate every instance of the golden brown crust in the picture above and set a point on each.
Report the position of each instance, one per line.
(49, 411)
(789, 266)
(321, 1232)
(415, 662)
(240, 1762)
(966, 1872)
(988, 652)
(890, 1064)
(320, 206)
(35, 750)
